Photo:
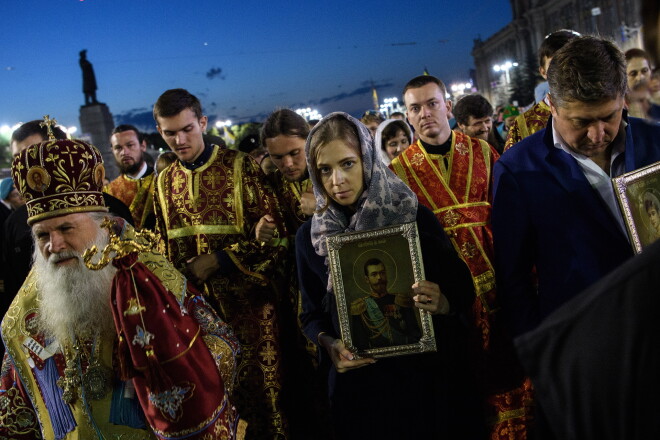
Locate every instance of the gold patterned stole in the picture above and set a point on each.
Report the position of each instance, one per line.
(21, 338)
(142, 205)
(299, 188)
(458, 195)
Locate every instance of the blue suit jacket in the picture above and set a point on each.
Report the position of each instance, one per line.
(546, 215)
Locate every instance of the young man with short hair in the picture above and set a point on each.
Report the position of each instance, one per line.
(208, 203)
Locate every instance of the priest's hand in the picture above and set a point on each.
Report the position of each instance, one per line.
(201, 267)
(308, 202)
(341, 357)
(265, 229)
(428, 297)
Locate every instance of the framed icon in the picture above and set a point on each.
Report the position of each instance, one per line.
(372, 275)
(638, 194)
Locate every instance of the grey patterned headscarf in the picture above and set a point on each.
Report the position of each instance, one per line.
(385, 201)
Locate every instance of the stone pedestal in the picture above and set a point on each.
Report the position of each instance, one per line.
(96, 124)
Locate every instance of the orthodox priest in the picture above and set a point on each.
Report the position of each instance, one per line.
(135, 184)
(451, 172)
(208, 204)
(110, 346)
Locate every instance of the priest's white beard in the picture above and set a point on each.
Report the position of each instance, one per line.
(74, 301)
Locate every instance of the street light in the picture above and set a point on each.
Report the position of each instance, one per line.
(387, 107)
(460, 88)
(309, 113)
(222, 124)
(505, 67)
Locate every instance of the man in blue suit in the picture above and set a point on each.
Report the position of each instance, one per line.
(557, 227)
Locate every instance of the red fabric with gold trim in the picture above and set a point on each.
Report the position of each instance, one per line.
(535, 119)
(156, 354)
(468, 183)
(59, 177)
(217, 207)
(137, 194)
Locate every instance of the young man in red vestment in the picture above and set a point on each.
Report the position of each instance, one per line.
(208, 204)
(451, 173)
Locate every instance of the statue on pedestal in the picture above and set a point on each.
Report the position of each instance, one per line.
(89, 80)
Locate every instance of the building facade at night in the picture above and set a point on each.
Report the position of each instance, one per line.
(519, 41)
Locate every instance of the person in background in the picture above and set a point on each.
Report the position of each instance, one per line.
(638, 100)
(450, 173)
(537, 116)
(135, 185)
(9, 195)
(372, 119)
(208, 203)
(283, 136)
(638, 66)
(509, 114)
(474, 117)
(164, 160)
(392, 137)
(10, 200)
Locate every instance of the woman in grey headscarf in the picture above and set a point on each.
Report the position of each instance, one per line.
(419, 396)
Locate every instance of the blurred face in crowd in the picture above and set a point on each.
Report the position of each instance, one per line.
(427, 111)
(14, 199)
(477, 127)
(288, 155)
(340, 168)
(128, 151)
(639, 102)
(638, 70)
(17, 147)
(373, 127)
(183, 133)
(588, 128)
(395, 145)
(543, 70)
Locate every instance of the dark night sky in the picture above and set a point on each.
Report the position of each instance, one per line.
(242, 59)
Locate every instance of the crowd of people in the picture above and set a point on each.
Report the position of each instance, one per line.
(196, 298)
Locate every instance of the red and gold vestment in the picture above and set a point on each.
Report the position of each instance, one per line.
(136, 194)
(456, 187)
(76, 390)
(528, 123)
(307, 396)
(215, 208)
(288, 196)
